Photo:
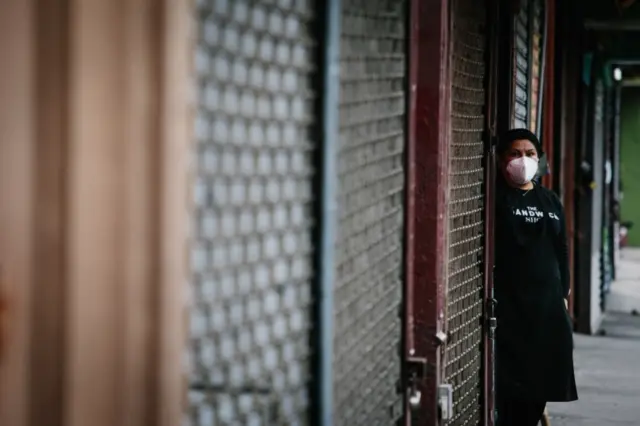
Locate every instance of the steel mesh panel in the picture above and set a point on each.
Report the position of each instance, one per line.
(463, 354)
(251, 256)
(368, 292)
(536, 65)
(521, 67)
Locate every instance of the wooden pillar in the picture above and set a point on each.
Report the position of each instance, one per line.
(17, 137)
(94, 191)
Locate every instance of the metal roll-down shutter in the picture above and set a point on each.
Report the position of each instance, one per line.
(369, 257)
(463, 353)
(251, 252)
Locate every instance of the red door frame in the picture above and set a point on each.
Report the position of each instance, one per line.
(548, 96)
(491, 138)
(427, 194)
(567, 120)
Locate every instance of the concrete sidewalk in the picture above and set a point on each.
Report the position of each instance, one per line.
(608, 367)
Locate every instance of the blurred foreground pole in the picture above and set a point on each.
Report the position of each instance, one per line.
(94, 137)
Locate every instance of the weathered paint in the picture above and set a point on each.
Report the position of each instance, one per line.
(490, 170)
(429, 162)
(548, 100)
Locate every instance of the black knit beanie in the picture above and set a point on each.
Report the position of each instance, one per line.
(504, 143)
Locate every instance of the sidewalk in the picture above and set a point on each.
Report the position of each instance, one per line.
(608, 367)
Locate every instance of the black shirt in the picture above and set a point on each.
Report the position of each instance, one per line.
(534, 334)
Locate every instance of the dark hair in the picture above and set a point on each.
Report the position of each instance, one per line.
(509, 137)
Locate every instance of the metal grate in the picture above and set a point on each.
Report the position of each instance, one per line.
(536, 65)
(251, 252)
(463, 354)
(368, 293)
(521, 67)
(598, 195)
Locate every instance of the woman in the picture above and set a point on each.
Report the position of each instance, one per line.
(534, 341)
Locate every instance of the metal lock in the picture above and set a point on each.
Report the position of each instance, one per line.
(417, 370)
(445, 401)
(415, 397)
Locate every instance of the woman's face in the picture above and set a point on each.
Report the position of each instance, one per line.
(519, 148)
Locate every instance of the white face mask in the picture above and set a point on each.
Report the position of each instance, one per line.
(522, 170)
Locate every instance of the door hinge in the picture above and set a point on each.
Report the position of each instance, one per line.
(492, 321)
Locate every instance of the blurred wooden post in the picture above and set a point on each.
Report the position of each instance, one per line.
(16, 204)
(95, 121)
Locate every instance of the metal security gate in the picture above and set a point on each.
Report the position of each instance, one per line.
(369, 261)
(537, 65)
(465, 294)
(522, 67)
(597, 225)
(251, 252)
(528, 64)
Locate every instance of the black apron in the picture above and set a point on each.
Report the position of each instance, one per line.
(534, 338)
